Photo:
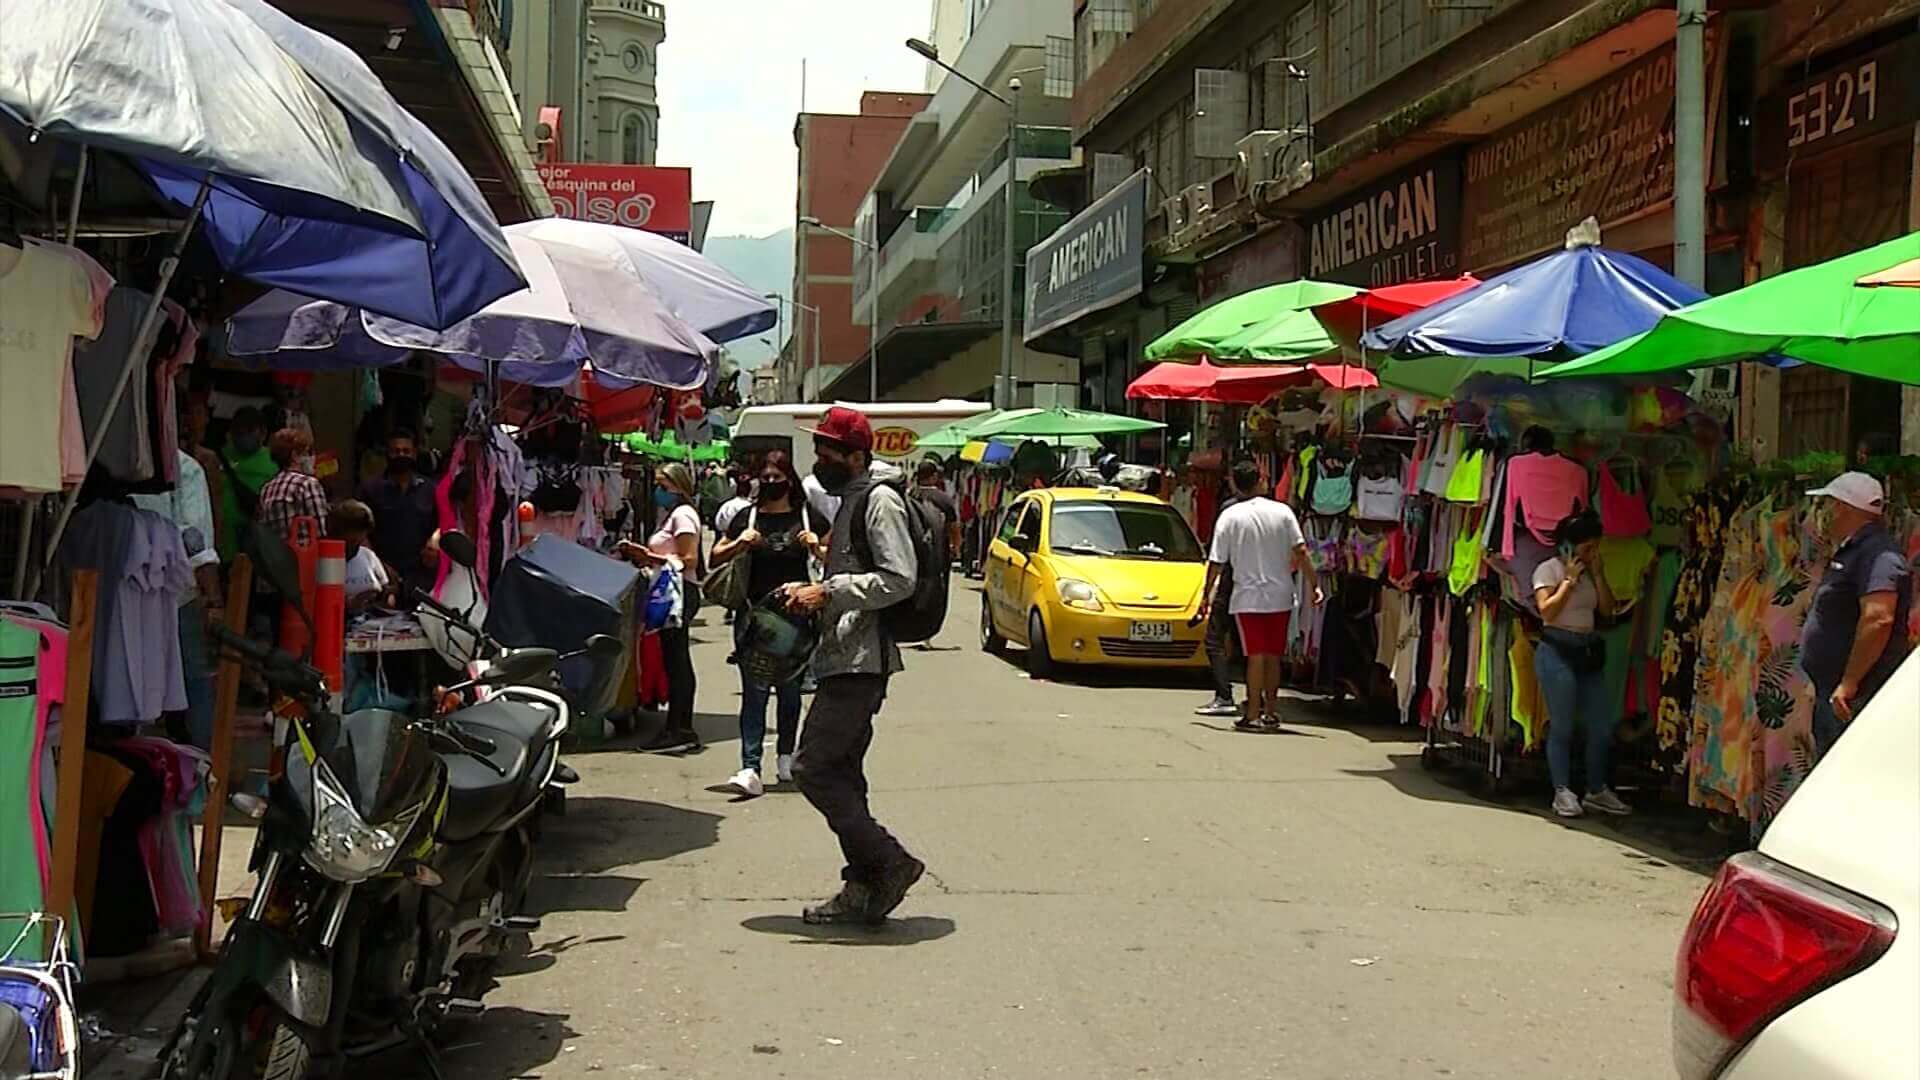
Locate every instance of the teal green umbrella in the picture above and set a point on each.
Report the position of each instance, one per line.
(1057, 423)
(954, 435)
(1822, 314)
(1204, 333)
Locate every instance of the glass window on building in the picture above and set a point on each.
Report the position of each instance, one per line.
(633, 139)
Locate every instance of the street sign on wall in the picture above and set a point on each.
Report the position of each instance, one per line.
(1093, 262)
(656, 198)
(1855, 101)
(1605, 151)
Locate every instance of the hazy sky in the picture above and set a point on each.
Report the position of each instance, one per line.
(730, 86)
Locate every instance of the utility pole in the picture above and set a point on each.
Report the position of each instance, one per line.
(1690, 144)
(1004, 385)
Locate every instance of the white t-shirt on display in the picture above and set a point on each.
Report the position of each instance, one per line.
(46, 300)
(365, 573)
(1577, 614)
(1257, 538)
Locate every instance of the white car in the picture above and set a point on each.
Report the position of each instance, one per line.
(1803, 958)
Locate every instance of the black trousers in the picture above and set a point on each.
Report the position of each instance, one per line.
(830, 769)
(677, 653)
(1221, 636)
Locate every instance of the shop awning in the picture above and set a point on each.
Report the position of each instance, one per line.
(1241, 385)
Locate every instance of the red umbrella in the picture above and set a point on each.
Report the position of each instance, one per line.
(1346, 319)
(1240, 385)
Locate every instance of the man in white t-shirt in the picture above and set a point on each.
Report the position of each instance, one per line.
(742, 500)
(1261, 542)
(368, 582)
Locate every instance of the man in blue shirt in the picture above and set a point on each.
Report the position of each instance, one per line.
(1856, 630)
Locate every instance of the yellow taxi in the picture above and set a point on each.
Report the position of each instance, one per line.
(1094, 576)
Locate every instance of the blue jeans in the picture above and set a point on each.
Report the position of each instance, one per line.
(1574, 699)
(753, 708)
(197, 672)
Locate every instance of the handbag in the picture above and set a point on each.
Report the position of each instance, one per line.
(663, 599)
(727, 583)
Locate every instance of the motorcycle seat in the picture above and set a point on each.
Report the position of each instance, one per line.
(478, 796)
(517, 719)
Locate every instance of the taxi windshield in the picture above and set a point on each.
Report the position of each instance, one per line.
(1123, 530)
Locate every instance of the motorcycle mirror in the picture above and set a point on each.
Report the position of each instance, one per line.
(521, 665)
(460, 547)
(604, 647)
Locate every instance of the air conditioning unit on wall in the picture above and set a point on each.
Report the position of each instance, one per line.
(1255, 162)
(1175, 211)
(1199, 200)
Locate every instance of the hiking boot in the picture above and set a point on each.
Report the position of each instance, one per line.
(892, 888)
(848, 905)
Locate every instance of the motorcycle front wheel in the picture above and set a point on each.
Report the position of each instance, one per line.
(248, 1044)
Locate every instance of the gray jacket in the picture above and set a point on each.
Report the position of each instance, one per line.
(852, 640)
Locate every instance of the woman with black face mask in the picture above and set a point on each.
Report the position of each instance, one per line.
(779, 534)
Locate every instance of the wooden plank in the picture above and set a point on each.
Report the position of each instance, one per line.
(226, 699)
(73, 746)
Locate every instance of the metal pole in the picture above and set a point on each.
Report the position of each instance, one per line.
(1690, 144)
(816, 352)
(873, 321)
(780, 335)
(142, 344)
(1004, 386)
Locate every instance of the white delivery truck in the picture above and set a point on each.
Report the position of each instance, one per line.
(897, 427)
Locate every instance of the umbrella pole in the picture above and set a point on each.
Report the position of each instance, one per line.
(142, 344)
(22, 558)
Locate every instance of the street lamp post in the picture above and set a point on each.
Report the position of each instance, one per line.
(873, 291)
(1004, 382)
(798, 355)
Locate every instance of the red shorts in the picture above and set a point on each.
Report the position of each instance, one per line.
(1264, 633)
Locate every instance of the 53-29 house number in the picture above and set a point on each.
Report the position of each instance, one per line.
(1834, 105)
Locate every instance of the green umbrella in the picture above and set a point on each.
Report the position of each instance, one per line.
(1053, 423)
(1819, 314)
(1440, 376)
(1288, 339)
(954, 435)
(1202, 334)
(672, 449)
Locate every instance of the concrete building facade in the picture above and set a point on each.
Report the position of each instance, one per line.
(596, 62)
(839, 156)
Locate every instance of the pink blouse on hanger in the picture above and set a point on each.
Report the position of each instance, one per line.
(1546, 488)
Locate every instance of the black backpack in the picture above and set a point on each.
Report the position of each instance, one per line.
(919, 617)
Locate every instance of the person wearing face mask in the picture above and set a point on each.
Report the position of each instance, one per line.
(675, 543)
(778, 534)
(404, 516)
(870, 567)
(245, 468)
(294, 492)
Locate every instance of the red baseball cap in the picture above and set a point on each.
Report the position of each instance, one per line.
(848, 427)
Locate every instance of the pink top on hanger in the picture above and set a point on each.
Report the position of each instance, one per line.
(1545, 488)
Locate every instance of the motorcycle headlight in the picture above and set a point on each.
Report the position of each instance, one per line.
(344, 847)
(1079, 594)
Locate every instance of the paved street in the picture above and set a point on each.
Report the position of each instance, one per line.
(1117, 888)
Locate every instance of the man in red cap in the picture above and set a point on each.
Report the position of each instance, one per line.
(870, 567)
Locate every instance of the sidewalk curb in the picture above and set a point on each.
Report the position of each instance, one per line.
(135, 1055)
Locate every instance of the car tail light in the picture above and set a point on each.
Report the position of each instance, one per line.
(1764, 938)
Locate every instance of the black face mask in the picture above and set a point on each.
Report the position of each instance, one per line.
(399, 466)
(773, 490)
(833, 475)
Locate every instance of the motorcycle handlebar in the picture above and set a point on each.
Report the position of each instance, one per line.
(453, 618)
(282, 670)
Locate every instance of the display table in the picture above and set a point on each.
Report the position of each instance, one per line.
(387, 634)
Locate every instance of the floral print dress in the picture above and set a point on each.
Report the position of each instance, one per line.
(1705, 517)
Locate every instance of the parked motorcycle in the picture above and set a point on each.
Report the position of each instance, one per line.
(393, 856)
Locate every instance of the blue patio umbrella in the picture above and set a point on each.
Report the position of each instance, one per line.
(1566, 304)
(303, 170)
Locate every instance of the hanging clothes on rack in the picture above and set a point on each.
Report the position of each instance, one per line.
(50, 294)
(144, 570)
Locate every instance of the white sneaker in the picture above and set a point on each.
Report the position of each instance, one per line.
(1566, 803)
(747, 783)
(783, 768)
(1606, 802)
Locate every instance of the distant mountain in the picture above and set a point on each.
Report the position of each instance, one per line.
(766, 263)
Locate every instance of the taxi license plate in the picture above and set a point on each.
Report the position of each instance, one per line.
(1160, 633)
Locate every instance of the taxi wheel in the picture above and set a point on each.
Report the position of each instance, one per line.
(990, 639)
(1039, 656)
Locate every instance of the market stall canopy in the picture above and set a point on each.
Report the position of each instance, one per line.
(954, 435)
(314, 178)
(583, 308)
(1241, 385)
(1820, 314)
(1292, 338)
(1348, 319)
(1048, 423)
(700, 291)
(669, 448)
(987, 453)
(1201, 335)
(1569, 303)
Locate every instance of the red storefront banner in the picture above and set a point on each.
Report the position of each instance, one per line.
(652, 197)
